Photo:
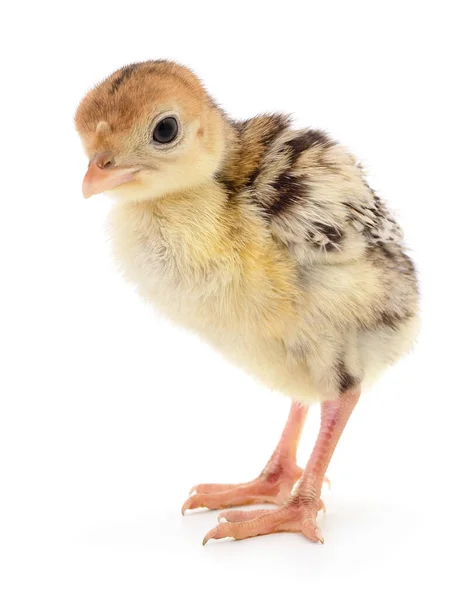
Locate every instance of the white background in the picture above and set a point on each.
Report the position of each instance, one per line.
(109, 414)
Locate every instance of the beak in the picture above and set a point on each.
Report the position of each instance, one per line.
(102, 176)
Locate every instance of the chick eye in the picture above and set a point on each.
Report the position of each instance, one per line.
(166, 130)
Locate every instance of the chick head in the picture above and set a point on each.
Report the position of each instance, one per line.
(149, 130)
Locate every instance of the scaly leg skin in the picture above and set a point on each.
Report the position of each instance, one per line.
(273, 485)
(299, 512)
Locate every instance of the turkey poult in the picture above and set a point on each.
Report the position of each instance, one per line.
(269, 243)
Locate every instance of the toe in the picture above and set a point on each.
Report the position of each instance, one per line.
(212, 488)
(202, 501)
(237, 516)
(226, 499)
(244, 529)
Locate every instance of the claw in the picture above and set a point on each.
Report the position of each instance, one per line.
(209, 536)
(186, 505)
(318, 535)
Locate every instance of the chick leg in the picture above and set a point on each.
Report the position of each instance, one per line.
(273, 485)
(299, 512)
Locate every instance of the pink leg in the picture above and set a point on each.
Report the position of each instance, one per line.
(300, 510)
(273, 485)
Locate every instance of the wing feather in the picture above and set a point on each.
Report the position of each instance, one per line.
(316, 199)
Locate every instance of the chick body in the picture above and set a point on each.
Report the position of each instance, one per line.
(303, 325)
(280, 255)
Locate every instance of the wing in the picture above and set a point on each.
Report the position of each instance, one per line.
(317, 201)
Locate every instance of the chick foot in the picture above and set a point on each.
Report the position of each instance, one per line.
(295, 516)
(299, 512)
(275, 483)
(273, 486)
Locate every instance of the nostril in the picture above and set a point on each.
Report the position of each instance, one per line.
(104, 160)
(107, 163)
